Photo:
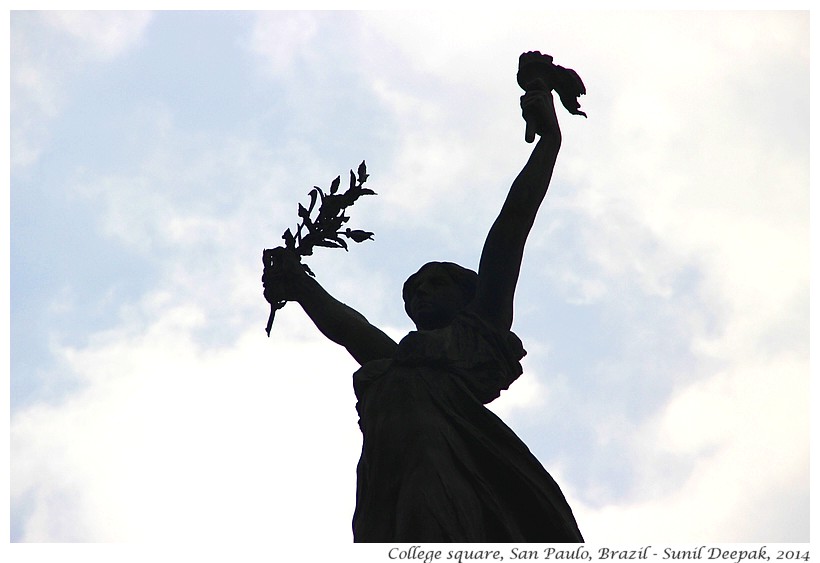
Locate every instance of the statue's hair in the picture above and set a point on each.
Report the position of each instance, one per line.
(464, 278)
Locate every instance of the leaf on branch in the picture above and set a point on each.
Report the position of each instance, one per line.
(342, 244)
(358, 235)
(314, 193)
(332, 243)
(325, 228)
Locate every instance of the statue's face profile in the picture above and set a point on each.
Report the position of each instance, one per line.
(435, 299)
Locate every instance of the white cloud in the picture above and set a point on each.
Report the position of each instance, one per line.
(100, 34)
(282, 38)
(526, 394)
(47, 47)
(169, 441)
(187, 192)
(747, 433)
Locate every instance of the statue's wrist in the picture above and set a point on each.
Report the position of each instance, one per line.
(302, 288)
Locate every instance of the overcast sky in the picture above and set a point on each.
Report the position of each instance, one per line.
(663, 301)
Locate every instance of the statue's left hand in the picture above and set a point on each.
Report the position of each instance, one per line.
(537, 107)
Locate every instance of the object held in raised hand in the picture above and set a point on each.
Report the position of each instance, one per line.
(537, 72)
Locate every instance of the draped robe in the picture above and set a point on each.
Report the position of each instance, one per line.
(436, 464)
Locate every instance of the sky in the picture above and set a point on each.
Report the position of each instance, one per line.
(663, 299)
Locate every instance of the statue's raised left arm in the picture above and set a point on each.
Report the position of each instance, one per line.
(504, 248)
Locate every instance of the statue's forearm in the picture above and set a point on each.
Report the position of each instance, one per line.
(530, 186)
(330, 315)
(504, 248)
(343, 324)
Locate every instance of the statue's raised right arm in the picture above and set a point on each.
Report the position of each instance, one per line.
(338, 322)
(504, 248)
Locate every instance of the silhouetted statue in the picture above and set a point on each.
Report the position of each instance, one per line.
(436, 464)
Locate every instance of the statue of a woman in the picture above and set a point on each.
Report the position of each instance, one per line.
(436, 464)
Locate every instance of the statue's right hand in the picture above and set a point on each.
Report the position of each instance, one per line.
(282, 276)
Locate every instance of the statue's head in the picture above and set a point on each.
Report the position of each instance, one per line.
(435, 294)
